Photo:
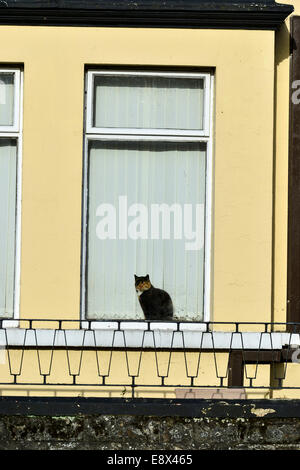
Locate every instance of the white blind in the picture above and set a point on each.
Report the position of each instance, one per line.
(8, 174)
(147, 173)
(6, 98)
(148, 102)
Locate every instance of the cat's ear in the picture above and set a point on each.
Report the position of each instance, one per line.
(147, 277)
(135, 276)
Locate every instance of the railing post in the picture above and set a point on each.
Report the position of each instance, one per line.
(236, 369)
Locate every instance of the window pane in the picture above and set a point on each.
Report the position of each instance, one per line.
(8, 174)
(146, 173)
(6, 99)
(148, 102)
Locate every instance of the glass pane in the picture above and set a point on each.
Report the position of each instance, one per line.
(7, 98)
(8, 185)
(148, 102)
(126, 239)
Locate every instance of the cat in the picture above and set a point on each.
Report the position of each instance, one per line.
(155, 303)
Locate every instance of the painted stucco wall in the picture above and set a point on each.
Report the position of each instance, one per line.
(54, 60)
(281, 140)
(249, 262)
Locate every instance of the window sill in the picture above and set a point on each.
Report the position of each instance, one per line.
(142, 335)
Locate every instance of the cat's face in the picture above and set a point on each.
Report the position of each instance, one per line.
(142, 283)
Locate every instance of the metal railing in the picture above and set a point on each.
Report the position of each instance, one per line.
(137, 358)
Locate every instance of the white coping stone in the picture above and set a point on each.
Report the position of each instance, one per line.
(192, 326)
(134, 325)
(163, 326)
(156, 337)
(104, 325)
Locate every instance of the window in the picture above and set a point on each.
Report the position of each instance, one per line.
(10, 145)
(147, 191)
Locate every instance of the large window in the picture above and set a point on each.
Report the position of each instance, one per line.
(147, 191)
(10, 144)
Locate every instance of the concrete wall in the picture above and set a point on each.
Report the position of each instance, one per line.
(107, 432)
(91, 424)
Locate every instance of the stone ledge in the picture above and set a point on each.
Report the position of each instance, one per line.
(187, 408)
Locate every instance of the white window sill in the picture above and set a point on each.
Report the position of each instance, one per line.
(143, 335)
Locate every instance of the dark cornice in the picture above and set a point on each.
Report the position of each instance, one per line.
(237, 14)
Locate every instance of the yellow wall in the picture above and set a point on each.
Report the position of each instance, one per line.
(89, 369)
(282, 60)
(54, 60)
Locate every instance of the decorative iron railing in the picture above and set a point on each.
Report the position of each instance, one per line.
(126, 358)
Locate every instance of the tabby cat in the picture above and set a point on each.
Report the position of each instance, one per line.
(156, 303)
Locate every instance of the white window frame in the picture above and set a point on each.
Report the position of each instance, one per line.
(15, 127)
(108, 134)
(90, 129)
(15, 132)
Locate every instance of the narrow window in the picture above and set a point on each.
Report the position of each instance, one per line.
(10, 136)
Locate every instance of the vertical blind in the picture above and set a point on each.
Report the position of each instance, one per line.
(148, 102)
(6, 98)
(8, 176)
(147, 173)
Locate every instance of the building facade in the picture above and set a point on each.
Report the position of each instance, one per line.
(107, 112)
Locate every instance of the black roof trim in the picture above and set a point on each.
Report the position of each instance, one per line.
(141, 4)
(237, 14)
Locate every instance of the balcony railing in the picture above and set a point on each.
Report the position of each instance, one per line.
(150, 359)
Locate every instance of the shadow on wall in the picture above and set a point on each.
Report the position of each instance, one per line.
(283, 45)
